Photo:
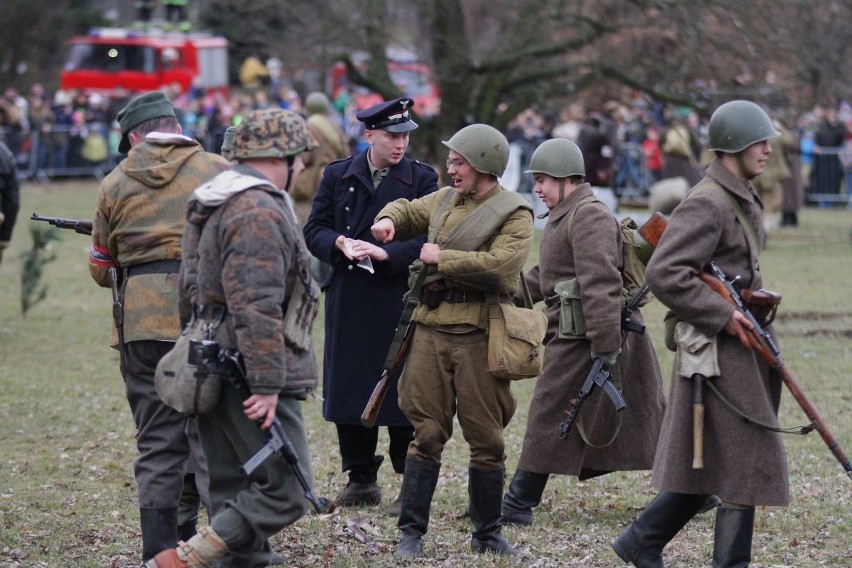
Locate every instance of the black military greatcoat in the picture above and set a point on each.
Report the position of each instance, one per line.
(361, 309)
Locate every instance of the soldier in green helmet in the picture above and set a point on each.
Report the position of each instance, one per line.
(720, 220)
(579, 279)
(479, 238)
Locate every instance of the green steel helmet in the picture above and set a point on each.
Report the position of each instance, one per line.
(272, 133)
(483, 146)
(736, 125)
(559, 158)
(317, 103)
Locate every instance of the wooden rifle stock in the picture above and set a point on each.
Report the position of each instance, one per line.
(758, 343)
(374, 404)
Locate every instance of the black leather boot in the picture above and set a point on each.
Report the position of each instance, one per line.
(732, 540)
(418, 486)
(524, 493)
(159, 530)
(187, 530)
(485, 489)
(642, 542)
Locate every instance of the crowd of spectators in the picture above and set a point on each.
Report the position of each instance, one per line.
(627, 145)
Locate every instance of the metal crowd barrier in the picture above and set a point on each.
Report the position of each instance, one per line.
(62, 151)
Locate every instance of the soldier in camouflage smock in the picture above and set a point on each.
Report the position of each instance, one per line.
(245, 258)
(137, 229)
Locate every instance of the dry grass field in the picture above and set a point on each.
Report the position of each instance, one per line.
(67, 493)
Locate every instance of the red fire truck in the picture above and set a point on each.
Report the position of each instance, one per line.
(412, 77)
(111, 58)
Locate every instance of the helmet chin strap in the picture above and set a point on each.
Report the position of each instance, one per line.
(561, 189)
(475, 185)
(290, 161)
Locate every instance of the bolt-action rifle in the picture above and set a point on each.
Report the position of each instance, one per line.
(84, 227)
(763, 344)
(81, 226)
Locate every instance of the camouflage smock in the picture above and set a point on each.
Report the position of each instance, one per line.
(139, 218)
(246, 254)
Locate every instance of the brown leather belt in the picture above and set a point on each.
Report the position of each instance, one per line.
(471, 297)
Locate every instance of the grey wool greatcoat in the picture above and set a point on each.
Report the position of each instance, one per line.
(592, 254)
(362, 310)
(743, 463)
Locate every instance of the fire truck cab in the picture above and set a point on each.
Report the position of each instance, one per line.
(115, 58)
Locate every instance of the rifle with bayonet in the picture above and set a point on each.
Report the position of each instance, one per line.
(763, 344)
(79, 225)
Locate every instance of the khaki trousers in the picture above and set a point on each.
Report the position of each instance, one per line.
(445, 374)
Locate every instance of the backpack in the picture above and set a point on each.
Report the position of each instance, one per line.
(633, 269)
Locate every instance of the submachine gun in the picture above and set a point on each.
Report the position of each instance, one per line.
(229, 364)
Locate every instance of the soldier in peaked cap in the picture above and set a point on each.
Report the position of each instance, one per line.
(351, 193)
(244, 259)
(137, 228)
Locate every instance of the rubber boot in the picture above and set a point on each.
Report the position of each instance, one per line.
(159, 530)
(524, 493)
(485, 489)
(732, 540)
(418, 486)
(642, 542)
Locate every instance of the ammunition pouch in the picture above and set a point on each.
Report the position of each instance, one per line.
(572, 323)
(763, 304)
(432, 294)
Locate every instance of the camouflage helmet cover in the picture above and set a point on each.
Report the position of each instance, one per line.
(272, 133)
(558, 158)
(483, 146)
(736, 125)
(227, 149)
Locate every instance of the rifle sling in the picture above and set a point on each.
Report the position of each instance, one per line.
(797, 430)
(413, 296)
(615, 371)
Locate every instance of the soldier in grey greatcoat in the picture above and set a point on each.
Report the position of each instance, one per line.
(744, 464)
(587, 254)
